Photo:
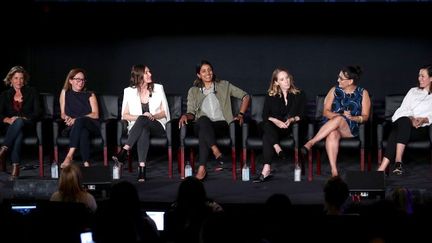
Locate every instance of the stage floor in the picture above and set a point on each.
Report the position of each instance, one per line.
(219, 185)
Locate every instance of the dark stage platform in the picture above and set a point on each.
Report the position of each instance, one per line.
(160, 190)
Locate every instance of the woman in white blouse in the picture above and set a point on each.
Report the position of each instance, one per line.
(145, 107)
(411, 120)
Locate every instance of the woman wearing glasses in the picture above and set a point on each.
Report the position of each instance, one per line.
(80, 112)
(19, 109)
(345, 107)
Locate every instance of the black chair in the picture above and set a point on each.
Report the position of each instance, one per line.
(172, 131)
(391, 104)
(189, 140)
(356, 143)
(108, 111)
(35, 138)
(252, 138)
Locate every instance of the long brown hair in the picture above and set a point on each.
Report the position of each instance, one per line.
(70, 183)
(137, 76)
(275, 89)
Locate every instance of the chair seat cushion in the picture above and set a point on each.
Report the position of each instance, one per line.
(64, 141)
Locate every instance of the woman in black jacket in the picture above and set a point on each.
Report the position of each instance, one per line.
(19, 109)
(283, 106)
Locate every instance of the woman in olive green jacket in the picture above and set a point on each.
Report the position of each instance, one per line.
(209, 105)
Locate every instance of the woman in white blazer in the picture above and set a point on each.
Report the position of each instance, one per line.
(145, 107)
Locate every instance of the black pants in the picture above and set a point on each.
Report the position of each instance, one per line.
(14, 136)
(206, 130)
(80, 135)
(403, 132)
(140, 134)
(271, 136)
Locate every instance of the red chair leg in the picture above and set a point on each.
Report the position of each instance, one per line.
(129, 158)
(169, 162)
(182, 163)
(234, 163)
(252, 163)
(244, 157)
(318, 159)
(56, 156)
(192, 159)
(41, 164)
(362, 159)
(310, 167)
(105, 155)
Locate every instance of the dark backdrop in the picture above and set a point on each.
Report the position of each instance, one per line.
(245, 42)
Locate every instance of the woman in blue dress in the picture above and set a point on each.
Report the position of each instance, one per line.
(345, 107)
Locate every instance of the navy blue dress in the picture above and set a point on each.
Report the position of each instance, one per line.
(348, 102)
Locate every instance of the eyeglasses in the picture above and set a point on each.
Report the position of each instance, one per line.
(342, 79)
(79, 79)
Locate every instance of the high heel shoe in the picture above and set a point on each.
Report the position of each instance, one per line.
(15, 172)
(121, 156)
(142, 174)
(282, 155)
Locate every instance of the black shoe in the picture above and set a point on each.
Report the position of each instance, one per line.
(121, 156)
(142, 174)
(304, 155)
(282, 155)
(220, 163)
(262, 178)
(398, 168)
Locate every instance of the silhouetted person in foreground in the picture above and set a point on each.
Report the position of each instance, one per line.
(121, 218)
(187, 214)
(336, 193)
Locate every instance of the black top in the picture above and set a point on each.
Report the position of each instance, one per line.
(274, 106)
(30, 107)
(77, 104)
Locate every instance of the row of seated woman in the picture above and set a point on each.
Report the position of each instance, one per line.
(81, 115)
(251, 138)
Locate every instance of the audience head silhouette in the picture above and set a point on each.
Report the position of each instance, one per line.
(336, 193)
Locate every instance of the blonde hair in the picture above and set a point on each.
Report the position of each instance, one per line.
(67, 85)
(11, 73)
(274, 89)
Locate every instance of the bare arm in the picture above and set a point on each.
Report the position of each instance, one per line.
(94, 107)
(328, 101)
(62, 104)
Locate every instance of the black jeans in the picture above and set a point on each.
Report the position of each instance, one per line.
(403, 132)
(140, 133)
(206, 130)
(271, 136)
(80, 135)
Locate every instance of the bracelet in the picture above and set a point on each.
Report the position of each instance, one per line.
(241, 113)
(361, 119)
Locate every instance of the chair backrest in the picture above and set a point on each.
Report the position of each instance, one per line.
(108, 106)
(235, 105)
(392, 103)
(319, 107)
(47, 103)
(175, 105)
(257, 106)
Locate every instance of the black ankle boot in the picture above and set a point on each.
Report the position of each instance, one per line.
(142, 173)
(121, 156)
